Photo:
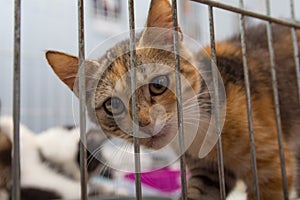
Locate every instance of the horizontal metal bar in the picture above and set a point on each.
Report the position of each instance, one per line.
(248, 13)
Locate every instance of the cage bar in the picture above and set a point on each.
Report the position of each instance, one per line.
(216, 102)
(295, 47)
(179, 102)
(276, 102)
(245, 12)
(16, 195)
(249, 105)
(137, 159)
(82, 101)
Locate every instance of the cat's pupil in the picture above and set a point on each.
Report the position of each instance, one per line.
(160, 82)
(114, 106)
(158, 85)
(115, 103)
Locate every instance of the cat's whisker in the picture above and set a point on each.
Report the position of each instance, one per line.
(196, 108)
(103, 168)
(196, 104)
(190, 107)
(195, 98)
(122, 149)
(94, 154)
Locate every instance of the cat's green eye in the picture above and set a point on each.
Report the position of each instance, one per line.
(158, 85)
(114, 106)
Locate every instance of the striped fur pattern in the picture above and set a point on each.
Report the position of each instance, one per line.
(108, 77)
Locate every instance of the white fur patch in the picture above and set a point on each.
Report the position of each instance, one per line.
(57, 144)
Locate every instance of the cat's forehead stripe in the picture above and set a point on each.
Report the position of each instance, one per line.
(119, 69)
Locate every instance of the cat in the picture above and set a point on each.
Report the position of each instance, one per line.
(5, 164)
(50, 162)
(108, 103)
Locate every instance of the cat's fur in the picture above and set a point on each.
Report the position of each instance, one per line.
(49, 162)
(203, 182)
(5, 164)
(5, 157)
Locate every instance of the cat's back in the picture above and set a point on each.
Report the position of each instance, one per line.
(230, 64)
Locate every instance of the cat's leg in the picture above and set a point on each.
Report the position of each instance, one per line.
(41, 176)
(201, 187)
(204, 180)
(270, 177)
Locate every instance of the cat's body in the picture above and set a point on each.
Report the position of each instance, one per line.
(109, 105)
(235, 138)
(50, 162)
(5, 164)
(33, 170)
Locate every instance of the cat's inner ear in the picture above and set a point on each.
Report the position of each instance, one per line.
(159, 26)
(65, 66)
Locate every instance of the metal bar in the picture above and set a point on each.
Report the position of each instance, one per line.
(16, 195)
(245, 12)
(82, 101)
(216, 103)
(295, 47)
(137, 159)
(276, 102)
(249, 106)
(179, 101)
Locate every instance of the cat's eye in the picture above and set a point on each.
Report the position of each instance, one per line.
(158, 85)
(114, 106)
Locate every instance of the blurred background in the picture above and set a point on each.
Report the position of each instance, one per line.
(45, 101)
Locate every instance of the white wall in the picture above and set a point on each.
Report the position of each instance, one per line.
(45, 101)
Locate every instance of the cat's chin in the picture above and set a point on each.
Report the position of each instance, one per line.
(158, 140)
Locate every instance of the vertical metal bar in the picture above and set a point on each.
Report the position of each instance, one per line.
(216, 103)
(137, 159)
(179, 102)
(295, 47)
(276, 101)
(82, 100)
(16, 102)
(249, 106)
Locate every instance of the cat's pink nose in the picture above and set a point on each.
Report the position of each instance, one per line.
(144, 123)
(146, 126)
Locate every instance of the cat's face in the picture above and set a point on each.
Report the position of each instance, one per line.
(109, 84)
(155, 94)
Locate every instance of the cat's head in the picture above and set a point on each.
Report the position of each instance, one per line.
(109, 91)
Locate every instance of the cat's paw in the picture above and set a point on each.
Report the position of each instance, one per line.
(106, 190)
(3, 194)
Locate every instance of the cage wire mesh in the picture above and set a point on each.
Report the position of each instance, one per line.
(211, 5)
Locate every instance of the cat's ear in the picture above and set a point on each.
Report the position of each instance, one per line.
(159, 25)
(65, 66)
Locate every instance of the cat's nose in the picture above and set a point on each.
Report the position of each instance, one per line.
(144, 118)
(144, 122)
(145, 125)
